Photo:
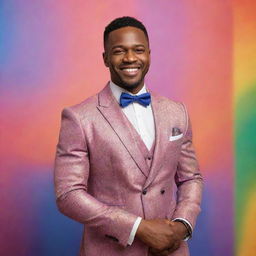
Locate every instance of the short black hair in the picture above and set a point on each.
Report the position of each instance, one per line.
(121, 22)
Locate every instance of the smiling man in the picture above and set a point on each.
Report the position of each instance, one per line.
(125, 166)
(127, 55)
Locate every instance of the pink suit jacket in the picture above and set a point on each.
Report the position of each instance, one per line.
(100, 173)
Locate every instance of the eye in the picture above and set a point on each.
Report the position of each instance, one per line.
(140, 50)
(118, 51)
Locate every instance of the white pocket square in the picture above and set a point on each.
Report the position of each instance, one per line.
(176, 137)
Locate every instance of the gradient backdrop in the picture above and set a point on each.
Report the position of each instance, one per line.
(203, 53)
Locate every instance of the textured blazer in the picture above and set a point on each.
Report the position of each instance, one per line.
(102, 178)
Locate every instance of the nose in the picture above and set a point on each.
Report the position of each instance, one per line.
(129, 57)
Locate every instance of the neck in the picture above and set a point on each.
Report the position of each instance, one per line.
(130, 89)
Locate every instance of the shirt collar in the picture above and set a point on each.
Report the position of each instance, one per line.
(117, 91)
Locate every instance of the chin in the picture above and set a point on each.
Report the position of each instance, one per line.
(131, 85)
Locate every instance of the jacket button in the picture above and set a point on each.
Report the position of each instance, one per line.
(162, 191)
(144, 192)
(149, 158)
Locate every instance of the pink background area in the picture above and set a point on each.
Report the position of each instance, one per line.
(51, 57)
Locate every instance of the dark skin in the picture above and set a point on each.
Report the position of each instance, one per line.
(127, 48)
(163, 236)
(127, 55)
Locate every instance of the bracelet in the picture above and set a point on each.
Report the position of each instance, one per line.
(189, 232)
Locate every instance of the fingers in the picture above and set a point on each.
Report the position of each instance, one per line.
(175, 246)
(159, 234)
(155, 252)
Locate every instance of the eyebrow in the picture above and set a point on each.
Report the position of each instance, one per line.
(122, 46)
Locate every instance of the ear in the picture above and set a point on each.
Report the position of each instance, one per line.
(104, 55)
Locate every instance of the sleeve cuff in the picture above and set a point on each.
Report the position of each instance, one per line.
(134, 230)
(188, 226)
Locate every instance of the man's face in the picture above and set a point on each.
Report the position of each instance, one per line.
(127, 55)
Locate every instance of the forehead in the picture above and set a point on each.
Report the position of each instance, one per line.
(127, 36)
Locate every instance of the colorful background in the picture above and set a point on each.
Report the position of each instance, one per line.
(203, 53)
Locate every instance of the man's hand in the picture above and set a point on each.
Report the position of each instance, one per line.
(166, 252)
(156, 233)
(162, 235)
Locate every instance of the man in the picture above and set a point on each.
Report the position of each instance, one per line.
(125, 166)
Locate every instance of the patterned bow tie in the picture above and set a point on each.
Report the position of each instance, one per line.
(144, 99)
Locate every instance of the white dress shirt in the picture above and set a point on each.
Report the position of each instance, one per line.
(142, 119)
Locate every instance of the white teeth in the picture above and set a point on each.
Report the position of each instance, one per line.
(130, 69)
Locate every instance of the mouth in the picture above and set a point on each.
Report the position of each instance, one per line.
(130, 71)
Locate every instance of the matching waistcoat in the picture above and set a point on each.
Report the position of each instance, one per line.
(147, 154)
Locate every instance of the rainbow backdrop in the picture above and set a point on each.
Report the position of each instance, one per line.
(203, 53)
(245, 125)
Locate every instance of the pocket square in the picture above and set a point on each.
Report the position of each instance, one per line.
(176, 137)
(176, 131)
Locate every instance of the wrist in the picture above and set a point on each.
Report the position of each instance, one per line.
(182, 230)
(140, 228)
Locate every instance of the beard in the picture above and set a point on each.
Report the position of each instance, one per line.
(133, 86)
(130, 86)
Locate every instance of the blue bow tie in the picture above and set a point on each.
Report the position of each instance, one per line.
(144, 99)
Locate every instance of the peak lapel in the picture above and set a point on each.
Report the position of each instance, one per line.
(110, 109)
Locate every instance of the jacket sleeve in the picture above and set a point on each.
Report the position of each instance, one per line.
(71, 173)
(188, 179)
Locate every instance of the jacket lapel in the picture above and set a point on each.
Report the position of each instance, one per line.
(110, 109)
(161, 132)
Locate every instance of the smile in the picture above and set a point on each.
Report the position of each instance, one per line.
(130, 71)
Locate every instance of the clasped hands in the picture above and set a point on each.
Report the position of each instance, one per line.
(163, 236)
